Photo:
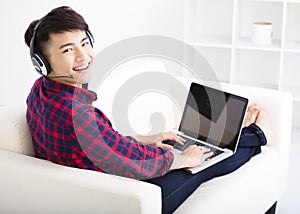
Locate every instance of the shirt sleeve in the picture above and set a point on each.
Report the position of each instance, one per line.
(252, 136)
(117, 154)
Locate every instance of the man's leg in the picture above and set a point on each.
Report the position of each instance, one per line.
(177, 185)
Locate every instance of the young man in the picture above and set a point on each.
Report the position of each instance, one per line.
(66, 128)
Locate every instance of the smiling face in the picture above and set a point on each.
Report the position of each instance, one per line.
(70, 53)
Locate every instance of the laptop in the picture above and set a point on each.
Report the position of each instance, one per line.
(211, 118)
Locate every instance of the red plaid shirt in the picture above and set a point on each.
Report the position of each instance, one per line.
(66, 129)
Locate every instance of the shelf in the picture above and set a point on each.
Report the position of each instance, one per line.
(292, 45)
(257, 68)
(249, 12)
(203, 26)
(293, 1)
(294, 89)
(290, 80)
(268, 0)
(221, 31)
(296, 114)
(210, 40)
(245, 43)
(219, 60)
(292, 34)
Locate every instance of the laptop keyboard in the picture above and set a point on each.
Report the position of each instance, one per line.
(190, 142)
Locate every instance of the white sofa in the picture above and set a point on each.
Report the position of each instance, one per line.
(31, 185)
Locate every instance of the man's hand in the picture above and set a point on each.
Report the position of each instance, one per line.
(157, 139)
(191, 157)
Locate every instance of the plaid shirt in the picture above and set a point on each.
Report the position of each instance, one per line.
(66, 129)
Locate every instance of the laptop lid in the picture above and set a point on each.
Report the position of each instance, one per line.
(213, 116)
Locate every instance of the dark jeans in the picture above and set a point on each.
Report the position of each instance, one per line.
(177, 185)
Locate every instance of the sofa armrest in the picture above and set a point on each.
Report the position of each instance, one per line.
(263, 179)
(14, 131)
(44, 187)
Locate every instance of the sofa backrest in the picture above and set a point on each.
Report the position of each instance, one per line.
(277, 104)
(14, 131)
(15, 135)
(134, 96)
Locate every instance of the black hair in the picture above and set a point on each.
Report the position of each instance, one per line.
(58, 20)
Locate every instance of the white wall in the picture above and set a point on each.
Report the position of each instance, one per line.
(110, 21)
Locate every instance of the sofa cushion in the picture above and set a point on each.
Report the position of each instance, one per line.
(256, 181)
(14, 131)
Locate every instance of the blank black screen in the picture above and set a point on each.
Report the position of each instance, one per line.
(213, 116)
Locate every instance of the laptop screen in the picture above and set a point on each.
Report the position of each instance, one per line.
(213, 116)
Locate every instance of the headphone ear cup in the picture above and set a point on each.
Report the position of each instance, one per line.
(40, 64)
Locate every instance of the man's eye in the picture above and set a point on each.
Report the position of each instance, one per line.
(85, 43)
(67, 50)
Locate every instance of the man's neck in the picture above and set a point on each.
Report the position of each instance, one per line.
(78, 85)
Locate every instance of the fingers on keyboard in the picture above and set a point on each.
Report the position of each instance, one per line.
(181, 140)
(207, 156)
(205, 149)
(169, 142)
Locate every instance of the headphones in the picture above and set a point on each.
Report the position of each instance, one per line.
(39, 61)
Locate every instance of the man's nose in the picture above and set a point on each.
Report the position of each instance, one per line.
(82, 55)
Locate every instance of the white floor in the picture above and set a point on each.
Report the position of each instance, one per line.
(290, 201)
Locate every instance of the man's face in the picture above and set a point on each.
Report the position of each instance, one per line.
(70, 53)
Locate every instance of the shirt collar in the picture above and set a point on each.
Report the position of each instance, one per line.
(80, 94)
